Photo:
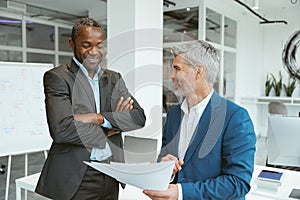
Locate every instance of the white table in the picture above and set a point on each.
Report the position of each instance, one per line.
(291, 179)
(27, 183)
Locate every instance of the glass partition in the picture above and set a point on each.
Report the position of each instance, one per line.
(213, 26)
(169, 98)
(63, 39)
(229, 74)
(39, 36)
(10, 32)
(40, 58)
(181, 25)
(10, 56)
(230, 29)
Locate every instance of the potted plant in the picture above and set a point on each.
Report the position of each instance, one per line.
(277, 85)
(290, 87)
(268, 85)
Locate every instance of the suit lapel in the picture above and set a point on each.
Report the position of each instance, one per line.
(199, 133)
(104, 90)
(81, 83)
(176, 132)
(206, 129)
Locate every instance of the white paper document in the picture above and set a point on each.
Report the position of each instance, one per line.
(152, 176)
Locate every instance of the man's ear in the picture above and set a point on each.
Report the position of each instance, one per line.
(200, 69)
(71, 43)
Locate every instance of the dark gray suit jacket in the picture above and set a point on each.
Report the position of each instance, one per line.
(68, 92)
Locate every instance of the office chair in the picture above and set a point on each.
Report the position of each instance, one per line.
(277, 108)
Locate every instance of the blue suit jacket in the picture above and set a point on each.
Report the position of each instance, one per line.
(219, 161)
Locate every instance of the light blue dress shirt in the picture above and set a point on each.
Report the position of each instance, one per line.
(96, 154)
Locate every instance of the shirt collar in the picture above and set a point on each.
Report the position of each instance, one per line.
(197, 108)
(83, 69)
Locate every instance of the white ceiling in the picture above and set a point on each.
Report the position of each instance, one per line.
(80, 7)
(277, 10)
(267, 8)
(74, 7)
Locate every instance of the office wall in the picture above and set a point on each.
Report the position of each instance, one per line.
(275, 37)
(249, 47)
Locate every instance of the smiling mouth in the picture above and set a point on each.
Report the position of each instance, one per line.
(92, 60)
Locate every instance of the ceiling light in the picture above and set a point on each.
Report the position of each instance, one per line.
(255, 5)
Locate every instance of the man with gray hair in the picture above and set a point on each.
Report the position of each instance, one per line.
(212, 139)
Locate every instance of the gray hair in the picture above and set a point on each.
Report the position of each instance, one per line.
(200, 52)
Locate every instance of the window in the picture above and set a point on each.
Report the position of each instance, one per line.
(230, 29)
(181, 25)
(225, 40)
(40, 44)
(63, 39)
(169, 97)
(10, 32)
(213, 26)
(229, 75)
(10, 56)
(40, 58)
(39, 36)
(221, 31)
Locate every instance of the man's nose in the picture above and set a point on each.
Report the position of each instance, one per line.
(93, 51)
(172, 75)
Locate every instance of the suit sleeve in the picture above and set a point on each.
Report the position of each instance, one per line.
(126, 120)
(238, 148)
(169, 138)
(62, 126)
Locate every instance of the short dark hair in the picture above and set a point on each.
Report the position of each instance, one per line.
(81, 22)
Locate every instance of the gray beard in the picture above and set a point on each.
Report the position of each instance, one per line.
(179, 92)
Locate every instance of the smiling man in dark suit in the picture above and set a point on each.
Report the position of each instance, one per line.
(87, 108)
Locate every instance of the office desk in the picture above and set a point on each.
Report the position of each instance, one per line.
(29, 183)
(291, 180)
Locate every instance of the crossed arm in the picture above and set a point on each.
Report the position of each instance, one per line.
(97, 118)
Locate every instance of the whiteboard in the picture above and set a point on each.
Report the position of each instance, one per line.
(23, 125)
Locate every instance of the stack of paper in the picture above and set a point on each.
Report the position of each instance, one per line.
(152, 176)
(269, 179)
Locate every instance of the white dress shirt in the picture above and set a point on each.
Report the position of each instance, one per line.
(188, 126)
(96, 154)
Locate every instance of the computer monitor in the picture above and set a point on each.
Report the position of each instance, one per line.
(284, 141)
